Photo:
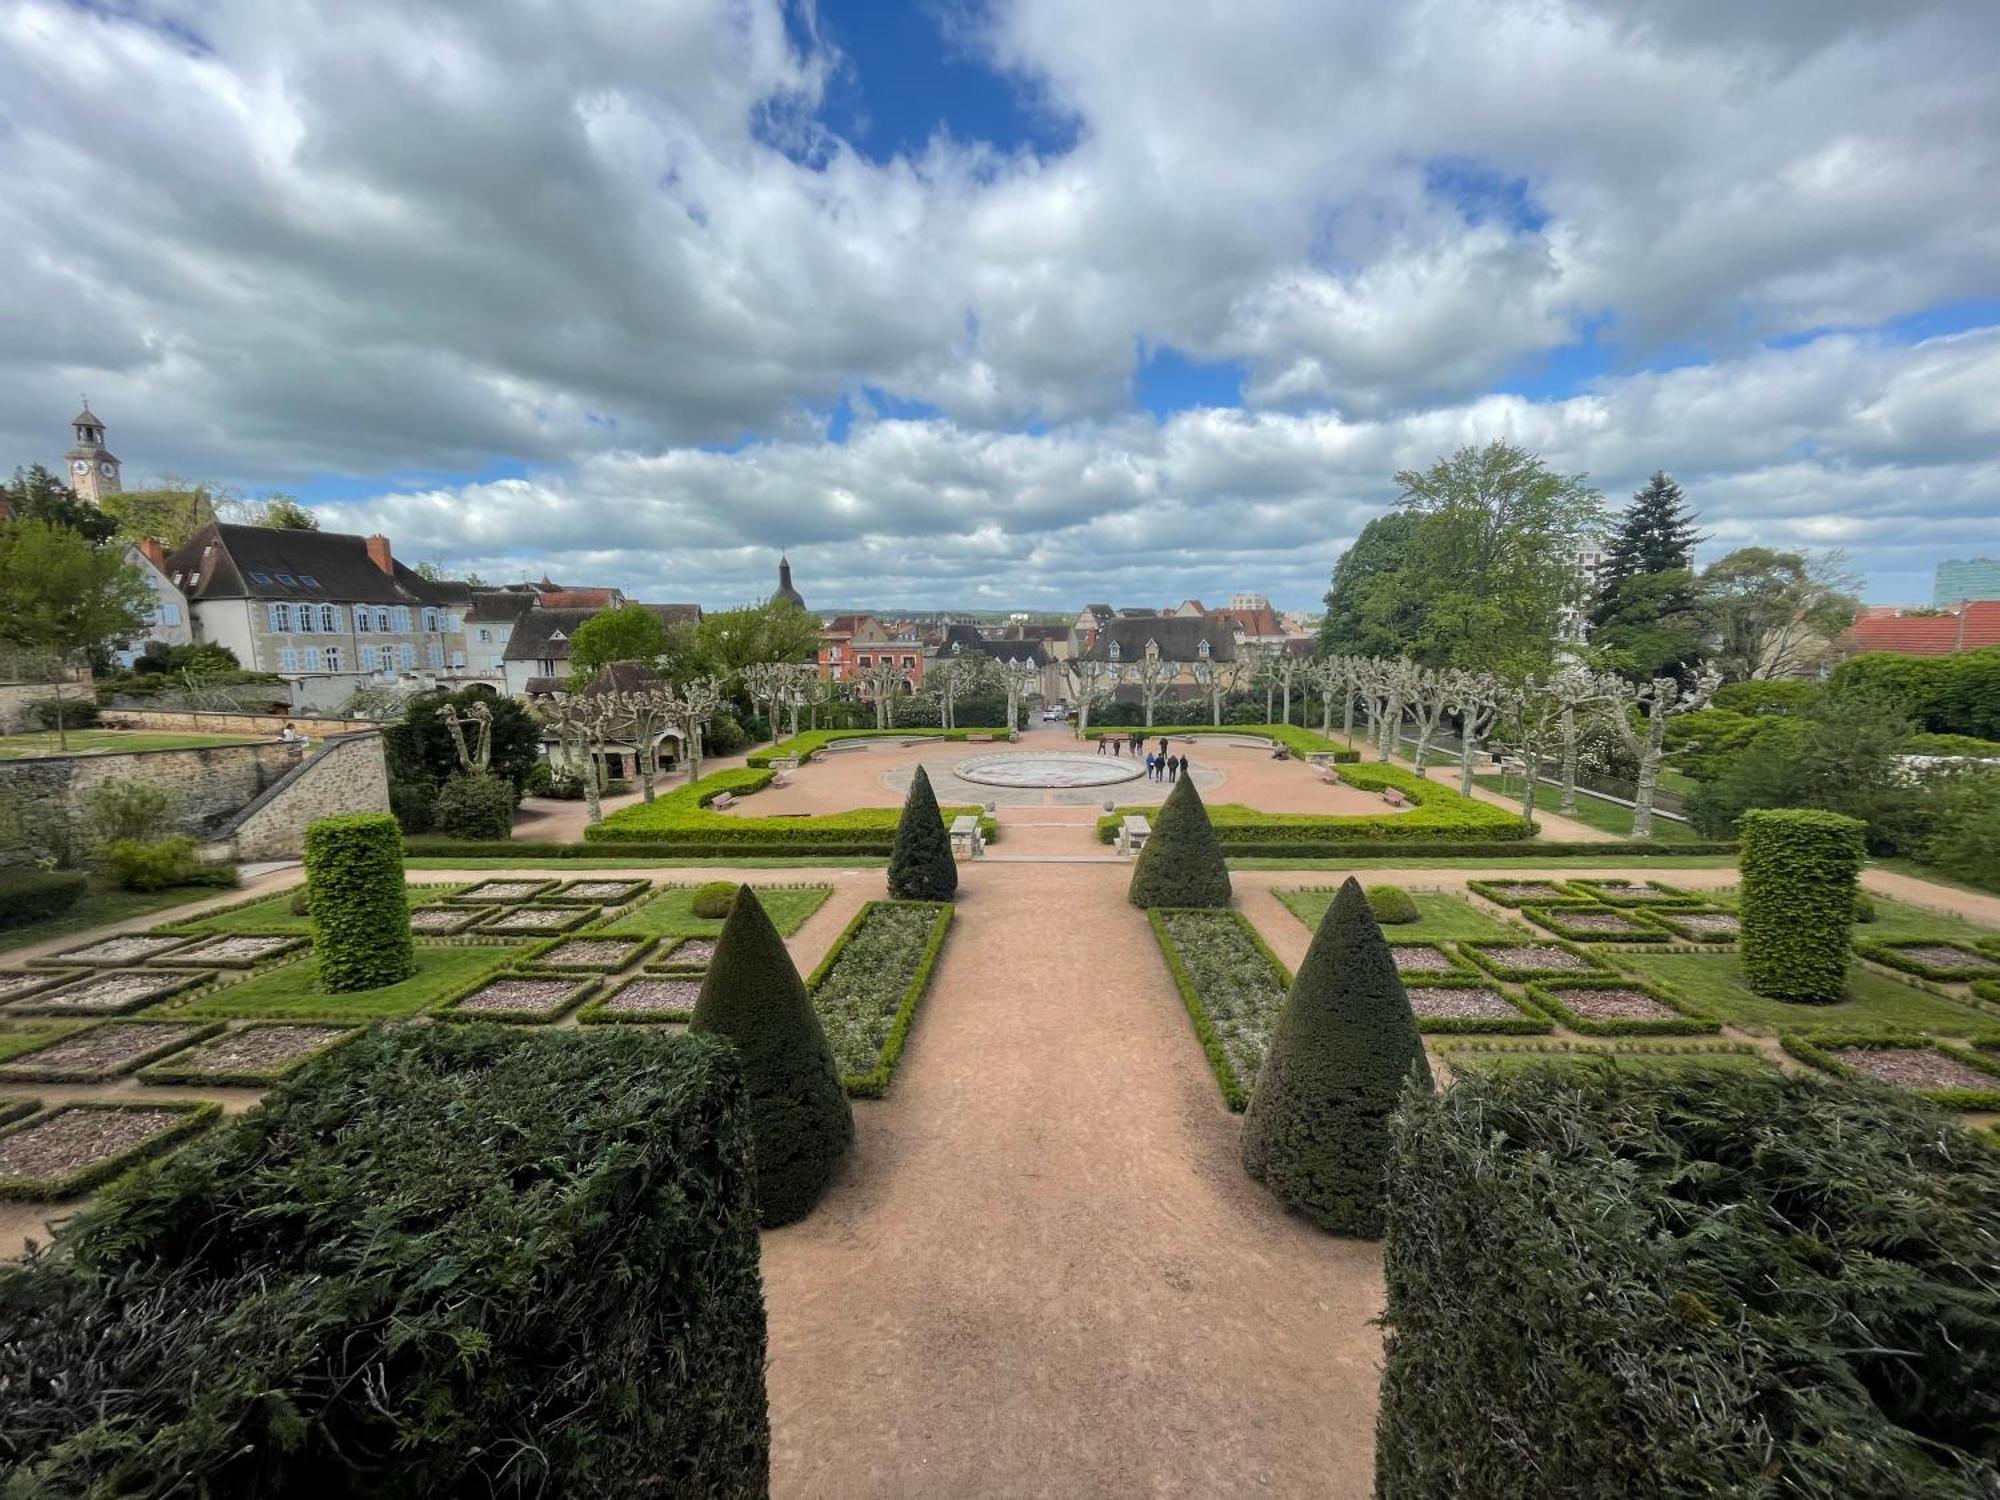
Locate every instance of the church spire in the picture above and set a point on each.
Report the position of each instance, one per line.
(93, 468)
(785, 589)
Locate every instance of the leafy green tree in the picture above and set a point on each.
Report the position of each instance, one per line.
(1647, 625)
(283, 513)
(172, 511)
(1491, 562)
(1775, 614)
(1346, 1045)
(1966, 843)
(800, 1121)
(1182, 863)
(1366, 614)
(64, 596)
(728, 640)
(35, 494)
(921, 867)
(631, 632)
(421, 748)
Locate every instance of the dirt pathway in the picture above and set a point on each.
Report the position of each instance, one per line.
(1043, 1271)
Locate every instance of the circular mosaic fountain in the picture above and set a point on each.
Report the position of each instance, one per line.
(1050, 771)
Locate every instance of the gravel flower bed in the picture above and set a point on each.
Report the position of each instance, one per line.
(1914, 1067)
(15, 984)
(610, 892)
(1232, 990)
(647, 999)
(111, 994)
(1933, 960)
(1591, 923)
(519, 998)
(100, 1052)
(1631, 893)
(235, 951)
(1702, 926)
(1517, 892)
(445, 921)
(862, 985)
(261, 1053)
(688, 953)
(68, 1150)
(1423, 958)
(1468, 1002)
(1524, 960)
(1615, 1003)
(599, 955)
(539, 921)
(505, 890)
(128, 948)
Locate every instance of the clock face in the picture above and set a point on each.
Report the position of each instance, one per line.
(82, 466)
(104, 469)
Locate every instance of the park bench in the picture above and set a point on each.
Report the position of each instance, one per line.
(724, 799)
(966, 840)
(783, 763)
(1394, 798)
(1133, 833)
(1320, 758)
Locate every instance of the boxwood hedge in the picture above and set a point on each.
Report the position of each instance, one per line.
(1299, 741)
(1800, 868)
(1712, 1283)
(360, 911)
(680, 822)
(1438, 813)
(455, 1260)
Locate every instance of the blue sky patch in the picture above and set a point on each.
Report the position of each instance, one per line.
(1167, 381)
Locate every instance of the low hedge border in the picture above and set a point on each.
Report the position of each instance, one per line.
(1301, 742)
(874, 1084)
(175, 985)
(599, 1013)
(14, 1107)
(22, 1068)
(660, 892)
(1528, 1023)
(67, 959)
(1475, 849)
(1651, 895)
(1666, 918)
(808, 744)
(468, 895)
(1556, 1048)
(579, 916)
(192, 956)
(1445, 946)
(469, 918)
(1554, 917)
(195, 1118)
(1546, 995)
(1817, 1050)
(1890, 954)
(1498, 893)
(448, 1008)
(42, 979)
(538, 960)
(177, 1069)
(1475, 949)
(636, 852)
(682, 818)
(637, 887)
(663, 961)
(1235, 1092)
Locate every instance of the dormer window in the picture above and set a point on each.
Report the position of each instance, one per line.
(1112, 651)
(1201, 650)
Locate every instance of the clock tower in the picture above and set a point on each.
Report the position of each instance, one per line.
(93, 468)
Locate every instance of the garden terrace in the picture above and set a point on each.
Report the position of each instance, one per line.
(103, 1050)
(114, 993)
(259, 1054)
(292, 992)
(669, 912)
(1956, 1077)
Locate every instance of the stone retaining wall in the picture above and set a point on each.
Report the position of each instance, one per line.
(348, 774)
(203, 721)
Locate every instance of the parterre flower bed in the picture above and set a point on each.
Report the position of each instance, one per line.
(1632, 893)
(610, 892)
(646, 999)
(1470, 1007)
(17, 983)
(261, 1053)
(1618, 1007)
(1526, 960)
(445, 921)
(1517, 892)
(110, 994)
(236, 951)
(1914, 1067)
(592, 955)
(99, 1052)
(1424, 958)
(505, 890)
(129, 948)
(539, 921)
(1701, 926)
(688, 953)
(1933, 960)
(1590, 924)
(514, 997)
(71, 1149)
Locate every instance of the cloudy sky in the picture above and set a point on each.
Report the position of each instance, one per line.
(1016, 302)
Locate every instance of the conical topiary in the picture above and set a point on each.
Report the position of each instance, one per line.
(1181, 864)
(800, 1122)
(1317, 1130)
(920, 865)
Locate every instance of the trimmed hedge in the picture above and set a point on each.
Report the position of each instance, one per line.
(360, 911)
(1438, 813)
(1392, 905)
(680, 823)
(1800, 870)
(1181, 864)
(921, 866)
(812, 741)
(30, 896)
(1893, 954)
(1547, 996)
(475, 807)
(1713, 1283)
(713, 899)
(443, 1261)
(162, 864)
(1232, 986)
(1301, 742)
(1345, 1048)
(872, 967)
(1818, 1049)
(800, 1121)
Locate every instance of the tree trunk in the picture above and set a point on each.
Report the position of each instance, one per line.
(1532, 758)
(1347, 714)
(1326, 713)
(1269, 690)
(593, 807)
(1288, 700)
(1469, 742)
(1649, 776)
(1569, 733)
(1425, 727)
(1083, 715)
(649, 762)
(1149, 690)
(62, 721)
(1215, 704)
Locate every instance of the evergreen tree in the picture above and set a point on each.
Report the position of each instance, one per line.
(1317, 1129)
(37, 495)
(1655, 535)
(920, 864)
(1645, 621)
(1182, 864)
(800, 1121)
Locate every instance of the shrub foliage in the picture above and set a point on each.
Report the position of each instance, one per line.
(1317, 1130)
(1392, 905)
(713, 900)
(920, 864)
(1799, 881)
(360, 911)
(475, 807)
(800, 1120)
(1717, 1283)
(1182, 864)
(442, 1261)
(28, 896)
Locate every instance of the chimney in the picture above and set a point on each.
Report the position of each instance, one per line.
(153, 552)
(378, 554)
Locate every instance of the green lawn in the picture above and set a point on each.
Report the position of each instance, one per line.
(1476, 864)
(671, 913)
(292, 992)
(102, 904)
(1610, 817)
(275, 914)
(1488, 1059)
(98, 741)
(633, 862)
(1895, 921)
(1442, 916)
(18, 1036)
(1875, 1003)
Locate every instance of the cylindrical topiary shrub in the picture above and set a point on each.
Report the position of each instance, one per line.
(1392, 905)
(920, 865)
(477, 806)
(800, 1121)
(1800, 868)
(713, 900)
(1317, 1129)
(360, 911)
(1182, 864)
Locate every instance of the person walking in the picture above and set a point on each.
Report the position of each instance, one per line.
(1100, 744)
(1174, 765)
(1117, 748)
(1163, 746)
(1149, 768)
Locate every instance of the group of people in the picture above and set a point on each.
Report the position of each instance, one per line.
(1160, 765)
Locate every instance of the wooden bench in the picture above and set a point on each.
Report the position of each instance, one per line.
(1394, 798)
(967, 842)
(1132, 834)
(783, 763)
(724, 799)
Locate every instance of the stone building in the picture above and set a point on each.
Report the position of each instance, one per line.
(93, 468)
(171, 622)
(536, 658)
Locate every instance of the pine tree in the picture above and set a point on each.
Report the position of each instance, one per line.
(1645, 623)
(800, 1121)
(920, 864)
(1182, 864)
(1655, 535)
(1317, 1129)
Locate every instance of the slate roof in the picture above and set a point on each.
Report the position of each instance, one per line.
(536, 630)
(1179, 637)
(621, 677)
(223, 561)
(489, 606)
(962, 640)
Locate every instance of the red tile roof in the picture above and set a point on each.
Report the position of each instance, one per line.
(1967, 628)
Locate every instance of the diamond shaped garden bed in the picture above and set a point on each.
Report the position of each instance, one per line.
(257, 1054)
(688, 953)
(240, 950)
(70, 1150)
(96, 1053)
(525, 998)
(649, 997)
(117, 952)
(1415, 958)
(610, 892)
(115, 993)
(539, 921)
(18, 984)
